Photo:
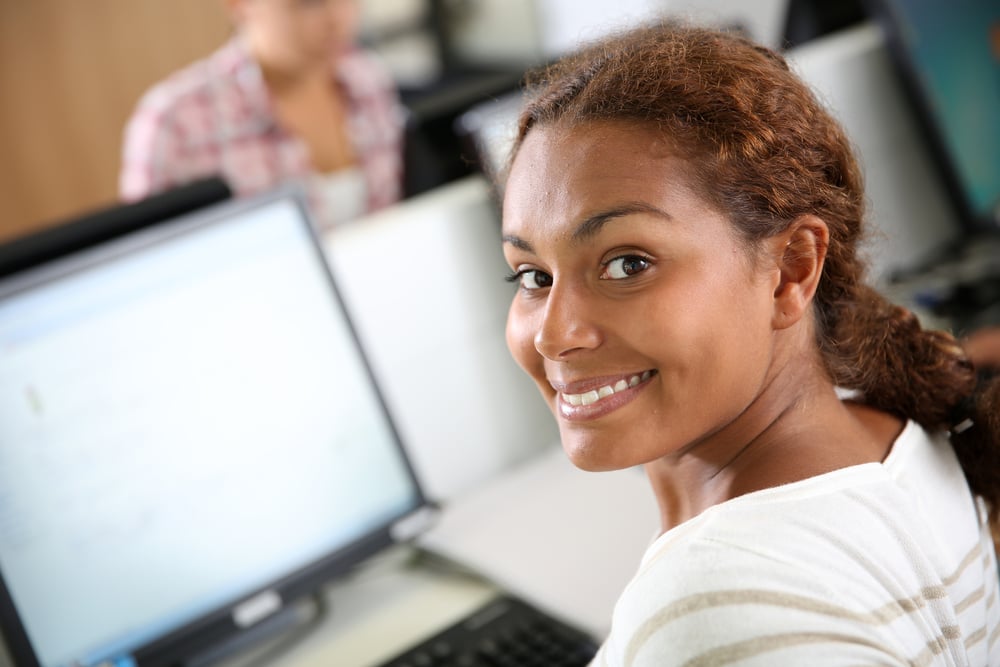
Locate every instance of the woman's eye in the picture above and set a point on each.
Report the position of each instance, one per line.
(624, 266)
(535, 279)
(531, 279)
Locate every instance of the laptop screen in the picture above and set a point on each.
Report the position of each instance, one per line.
(186, 421)
(948, 54)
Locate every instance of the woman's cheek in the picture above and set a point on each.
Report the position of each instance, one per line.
(521, 339)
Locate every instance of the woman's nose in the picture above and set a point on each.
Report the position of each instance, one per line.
(568, 324)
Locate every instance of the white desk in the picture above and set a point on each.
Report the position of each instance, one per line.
(385, 607)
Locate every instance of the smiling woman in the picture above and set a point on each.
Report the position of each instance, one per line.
(682, 218)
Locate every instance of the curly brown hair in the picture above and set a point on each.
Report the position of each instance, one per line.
(764, 150)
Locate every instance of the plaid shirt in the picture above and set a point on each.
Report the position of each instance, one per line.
(216, 117)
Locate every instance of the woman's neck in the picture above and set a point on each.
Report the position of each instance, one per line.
(795, 429)
(281, 79)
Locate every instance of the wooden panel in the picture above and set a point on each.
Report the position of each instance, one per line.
(70, 73)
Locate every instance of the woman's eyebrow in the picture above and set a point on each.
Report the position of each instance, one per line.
(518, 243)
(593, 224)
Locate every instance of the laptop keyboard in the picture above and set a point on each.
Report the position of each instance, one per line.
(506, 632)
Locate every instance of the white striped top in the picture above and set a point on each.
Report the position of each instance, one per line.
(879, 564)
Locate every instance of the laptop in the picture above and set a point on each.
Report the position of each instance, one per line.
(190, 436)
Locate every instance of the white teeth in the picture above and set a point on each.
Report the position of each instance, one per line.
(593, 396)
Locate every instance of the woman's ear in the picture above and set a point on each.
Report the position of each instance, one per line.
(800, 253)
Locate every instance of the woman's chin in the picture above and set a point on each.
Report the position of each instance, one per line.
(590, 457)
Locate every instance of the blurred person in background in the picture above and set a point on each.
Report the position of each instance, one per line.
(290, 97)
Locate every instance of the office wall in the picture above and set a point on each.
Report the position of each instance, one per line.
(70, 73)
(530, 31)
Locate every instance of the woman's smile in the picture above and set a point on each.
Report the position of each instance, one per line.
(591, 399)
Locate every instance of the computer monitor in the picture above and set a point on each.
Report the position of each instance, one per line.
(64, 236)
(190, 438)
(948, 56)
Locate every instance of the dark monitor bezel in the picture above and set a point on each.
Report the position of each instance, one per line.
(58, 239)
(201, 205)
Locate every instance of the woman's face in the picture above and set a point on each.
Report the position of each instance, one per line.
(639, 313)
(298, 33)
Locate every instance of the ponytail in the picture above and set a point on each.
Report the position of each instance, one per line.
(975, 436)
(881, 351)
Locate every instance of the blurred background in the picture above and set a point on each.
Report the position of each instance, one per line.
(71, 71)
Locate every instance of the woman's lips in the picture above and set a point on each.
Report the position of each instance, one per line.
(602, 399)
(595, 395)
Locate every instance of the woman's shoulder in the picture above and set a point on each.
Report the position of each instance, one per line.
(799, 526)
(225, 72)
(823, 557)
(784, 574)
(915, 502)
(919, 490)
(721, 592)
